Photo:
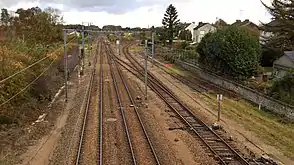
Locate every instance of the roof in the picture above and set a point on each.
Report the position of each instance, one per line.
(290, 54)
(193, 25)
(273, 23)
(246, 22)
(200, 25)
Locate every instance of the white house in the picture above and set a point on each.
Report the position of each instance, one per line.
(201, 30)
(191, 29)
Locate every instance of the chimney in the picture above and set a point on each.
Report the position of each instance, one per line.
(246, 20)
(193, 22)
(238, 21)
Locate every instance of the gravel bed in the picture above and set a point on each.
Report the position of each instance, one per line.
(116, 150)
(192, 143)
(89, 153)
(139, 142)
(65, 150)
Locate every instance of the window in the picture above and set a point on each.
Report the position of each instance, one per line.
(202, 32)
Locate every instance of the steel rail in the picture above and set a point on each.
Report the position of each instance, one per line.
(164, 92)
(135, 108)
(89, 90)
(115, 83)
(100, 157)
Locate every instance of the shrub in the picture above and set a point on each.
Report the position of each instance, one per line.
(283, 89)
(231, 51)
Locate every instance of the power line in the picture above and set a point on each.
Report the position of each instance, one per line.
(23, 89)
(28, 67)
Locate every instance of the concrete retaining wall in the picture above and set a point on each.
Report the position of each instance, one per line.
(266, 102)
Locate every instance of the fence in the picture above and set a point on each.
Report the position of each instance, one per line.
(181, 58)
(266, 102)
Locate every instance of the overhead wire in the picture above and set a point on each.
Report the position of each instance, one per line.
(23, 89)
(26, 68)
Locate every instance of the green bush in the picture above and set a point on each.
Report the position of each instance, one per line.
(231, 51)
(283, 89)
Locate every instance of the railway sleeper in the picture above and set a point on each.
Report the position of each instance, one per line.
(184, 113)
(191, 119)
(197, 125)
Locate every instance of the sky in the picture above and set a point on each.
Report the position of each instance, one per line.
(146, 13)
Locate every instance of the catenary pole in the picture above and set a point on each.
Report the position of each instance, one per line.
(152, 48)
(65, 66)
(146, 78)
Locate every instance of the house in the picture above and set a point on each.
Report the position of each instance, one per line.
(252, 27)
(264, 34)
(191, 28)
(284, 64)
(201, 30)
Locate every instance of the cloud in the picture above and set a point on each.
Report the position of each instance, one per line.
(148, 12)
(109, 6)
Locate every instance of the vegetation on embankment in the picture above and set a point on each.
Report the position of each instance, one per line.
(35, 35)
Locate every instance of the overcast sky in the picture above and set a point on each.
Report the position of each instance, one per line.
(146, 13)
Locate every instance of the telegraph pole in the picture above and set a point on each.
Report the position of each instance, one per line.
(83, 45)
(146, 78)
(152, 47)
(65, 66)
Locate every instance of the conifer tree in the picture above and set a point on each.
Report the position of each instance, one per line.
(282, 26)
(170, 22)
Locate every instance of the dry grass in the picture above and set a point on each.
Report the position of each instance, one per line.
(264, 125)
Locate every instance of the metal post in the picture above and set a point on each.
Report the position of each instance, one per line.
(146, 58)
(152, 48)
(219, 100)
(118, 46)
(65, 66)
(83, 44)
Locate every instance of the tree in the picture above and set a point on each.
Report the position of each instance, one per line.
(5, 17)
(283, 16)
(45, 25)
(170, 22)
(185, 35)
(231, 51)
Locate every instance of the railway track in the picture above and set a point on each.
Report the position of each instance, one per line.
(85, 153)
(221, 150)
(140, 144)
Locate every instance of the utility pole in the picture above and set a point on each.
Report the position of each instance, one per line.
(83, 45)
(152, 47)
(65, 66)
(146, 58)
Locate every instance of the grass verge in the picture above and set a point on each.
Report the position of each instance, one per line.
(268, 127)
